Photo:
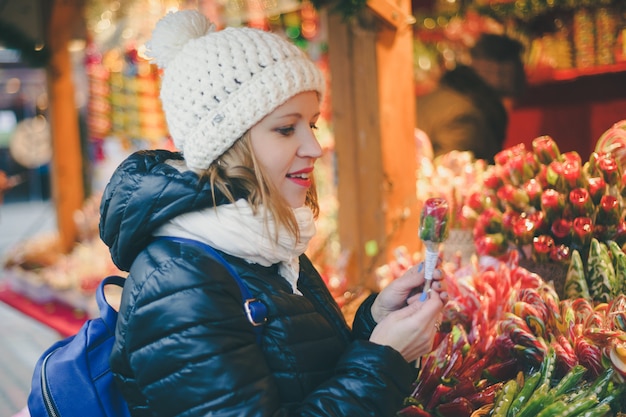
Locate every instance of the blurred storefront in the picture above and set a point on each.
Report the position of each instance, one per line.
(379, 57)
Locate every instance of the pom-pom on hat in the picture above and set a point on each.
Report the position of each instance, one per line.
(218, 84)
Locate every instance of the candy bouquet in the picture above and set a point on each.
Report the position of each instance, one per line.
(433, 231)
(554, 209)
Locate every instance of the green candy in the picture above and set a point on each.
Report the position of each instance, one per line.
(575, 280)
(600, 272)
(619, 263)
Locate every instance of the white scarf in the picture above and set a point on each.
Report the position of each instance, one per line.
(236, 230)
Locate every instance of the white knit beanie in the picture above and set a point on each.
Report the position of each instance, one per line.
(218, 84)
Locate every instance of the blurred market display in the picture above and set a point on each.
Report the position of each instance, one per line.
(538, 298)
(534, 261)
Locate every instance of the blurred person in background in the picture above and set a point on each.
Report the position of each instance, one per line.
(468, 111)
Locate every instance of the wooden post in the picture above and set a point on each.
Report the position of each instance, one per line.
(66, 169)
(371, 69)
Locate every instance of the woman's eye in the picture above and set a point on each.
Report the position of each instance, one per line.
(313, 126)
(285, 131)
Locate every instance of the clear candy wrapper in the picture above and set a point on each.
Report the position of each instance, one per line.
(433, 230)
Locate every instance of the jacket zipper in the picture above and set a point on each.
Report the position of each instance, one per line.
(47, 397)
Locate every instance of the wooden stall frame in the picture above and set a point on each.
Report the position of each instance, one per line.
(66, 171)
(371, 70)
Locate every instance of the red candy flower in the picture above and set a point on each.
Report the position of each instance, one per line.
(582, 228)
(561, 230)
(434, 220)
(542, 248)
(491, 245)
(597, 188)
(580, 202)
(523, 230)
(545, 149)
(552, 204)
(533, 189)
(572, 169)
(608, 211)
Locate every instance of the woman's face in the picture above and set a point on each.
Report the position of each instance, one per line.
(286, 147)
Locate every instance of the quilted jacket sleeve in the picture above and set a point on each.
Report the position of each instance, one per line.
(364, 323)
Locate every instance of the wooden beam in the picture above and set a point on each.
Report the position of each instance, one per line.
(392, 13)
(66, 169)
(394, 52)
(373, 124)
(352, 58)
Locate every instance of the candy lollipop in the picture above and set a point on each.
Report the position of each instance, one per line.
(433, 230)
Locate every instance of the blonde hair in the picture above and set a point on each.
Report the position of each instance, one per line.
(237, 169)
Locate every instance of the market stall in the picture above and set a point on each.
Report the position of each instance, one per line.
(534, 259)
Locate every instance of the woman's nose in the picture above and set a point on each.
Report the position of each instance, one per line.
(310, 147)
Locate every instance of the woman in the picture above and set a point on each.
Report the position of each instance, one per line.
(241, 105)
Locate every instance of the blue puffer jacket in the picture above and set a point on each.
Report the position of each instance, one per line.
(183, 344)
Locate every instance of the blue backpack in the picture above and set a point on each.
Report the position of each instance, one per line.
(72, 378)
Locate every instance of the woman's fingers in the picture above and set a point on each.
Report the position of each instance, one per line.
(411, 330)
(437, 286)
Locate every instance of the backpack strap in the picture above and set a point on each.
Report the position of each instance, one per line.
(107, 313)
(255, 310)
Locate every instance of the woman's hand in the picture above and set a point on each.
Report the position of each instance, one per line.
(404, 322)
(411, 329)
(404, 290)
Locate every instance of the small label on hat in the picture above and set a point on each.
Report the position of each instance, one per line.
(218, 118)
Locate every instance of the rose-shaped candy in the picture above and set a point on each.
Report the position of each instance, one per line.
(542, 248)
(533, 189)
(582, 228)
(552, 204)
(555, 177)
(433, 230)
(620, 234)
(508, 219)
(476, 201)
(597, 188)
(523, 231)
(489, 221)
(562, 231)
(609, 211)
(513, 196)
(580, 203)
(491, 245)
(520, 167)
(561, 253)
(492, 181)
(541, 224)
(572, 167)
(504, 156)
(545, 149)
(434, 220)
